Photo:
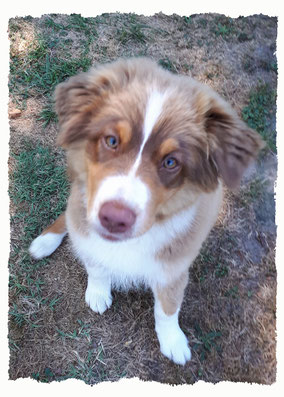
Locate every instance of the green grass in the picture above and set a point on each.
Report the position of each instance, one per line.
(259, 111)
(83, 25)
(210, 263)
(250, 64)
(40, 72)
(207, 341)
(48, 114)
(39, 189)
(166, 63)
(41, 185)
(13, 345)
(89, 368)
(223, 26)
(26, 285)
(49, 22)
(17, 316)
(76, 23)
(48, 62)
(232, 292)
(47, 377)
(132, 31)
(187, 20)
(221, 270)
(231, 29)
(83, 331)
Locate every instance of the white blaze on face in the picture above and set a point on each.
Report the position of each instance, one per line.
(153, 111)
(130, 189)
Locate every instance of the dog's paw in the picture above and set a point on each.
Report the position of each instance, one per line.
(174, 345)
(98, 299)
(45, 244)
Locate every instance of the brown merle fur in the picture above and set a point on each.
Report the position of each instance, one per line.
(213, 141)
(196, 126)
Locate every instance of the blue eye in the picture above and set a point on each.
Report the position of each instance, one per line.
(170, 163)
(111, 141)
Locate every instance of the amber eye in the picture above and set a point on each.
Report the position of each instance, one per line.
(170, 163)
(111, 141)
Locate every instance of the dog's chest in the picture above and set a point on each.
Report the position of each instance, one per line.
(133, 261)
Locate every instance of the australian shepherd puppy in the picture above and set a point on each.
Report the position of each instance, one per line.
(147, 153)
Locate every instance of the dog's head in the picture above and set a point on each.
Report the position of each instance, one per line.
(145, 143)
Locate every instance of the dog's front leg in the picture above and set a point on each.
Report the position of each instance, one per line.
(173, 342)
(98, 292)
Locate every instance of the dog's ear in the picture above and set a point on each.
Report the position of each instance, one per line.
(78, 100)
(232, 144)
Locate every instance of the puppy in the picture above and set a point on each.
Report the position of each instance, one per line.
(147, 153)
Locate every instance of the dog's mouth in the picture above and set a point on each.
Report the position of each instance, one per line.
(111, 237)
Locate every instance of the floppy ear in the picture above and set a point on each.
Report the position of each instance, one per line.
(78, 100)
(232, 144)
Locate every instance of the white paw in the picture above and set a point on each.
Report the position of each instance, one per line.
(99, 300)
(174, 345)
(45, 245)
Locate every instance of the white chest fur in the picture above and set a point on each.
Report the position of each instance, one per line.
(132, 261)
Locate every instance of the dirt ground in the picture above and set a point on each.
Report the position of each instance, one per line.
(229, 310)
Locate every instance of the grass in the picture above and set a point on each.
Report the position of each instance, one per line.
(46, 378)
(46, 63)
(75, 22)
(38, 188)
(86, 368)
(166, 63)
(211, 263)
(40, 72)
(221, 270)
(132, 31)
(50, 23)
(232, 292)
(257, 114)
(87, 26)
(253, 191)
(89, 368)
(41, 185)
(47, 114)
(224, 27)
(207, 341)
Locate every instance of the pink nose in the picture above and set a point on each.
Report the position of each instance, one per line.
(115, 217)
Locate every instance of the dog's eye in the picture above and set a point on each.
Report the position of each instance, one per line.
(170, 163)
(111, 141)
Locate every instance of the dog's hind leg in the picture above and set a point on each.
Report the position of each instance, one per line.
(47, 242)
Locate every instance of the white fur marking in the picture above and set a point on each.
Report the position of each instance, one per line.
(98, 293)
(173, 342)
(153, 111)
(45, 244)
(127, 189)
(121, 187)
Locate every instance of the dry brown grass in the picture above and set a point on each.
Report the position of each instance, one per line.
(230, 301)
